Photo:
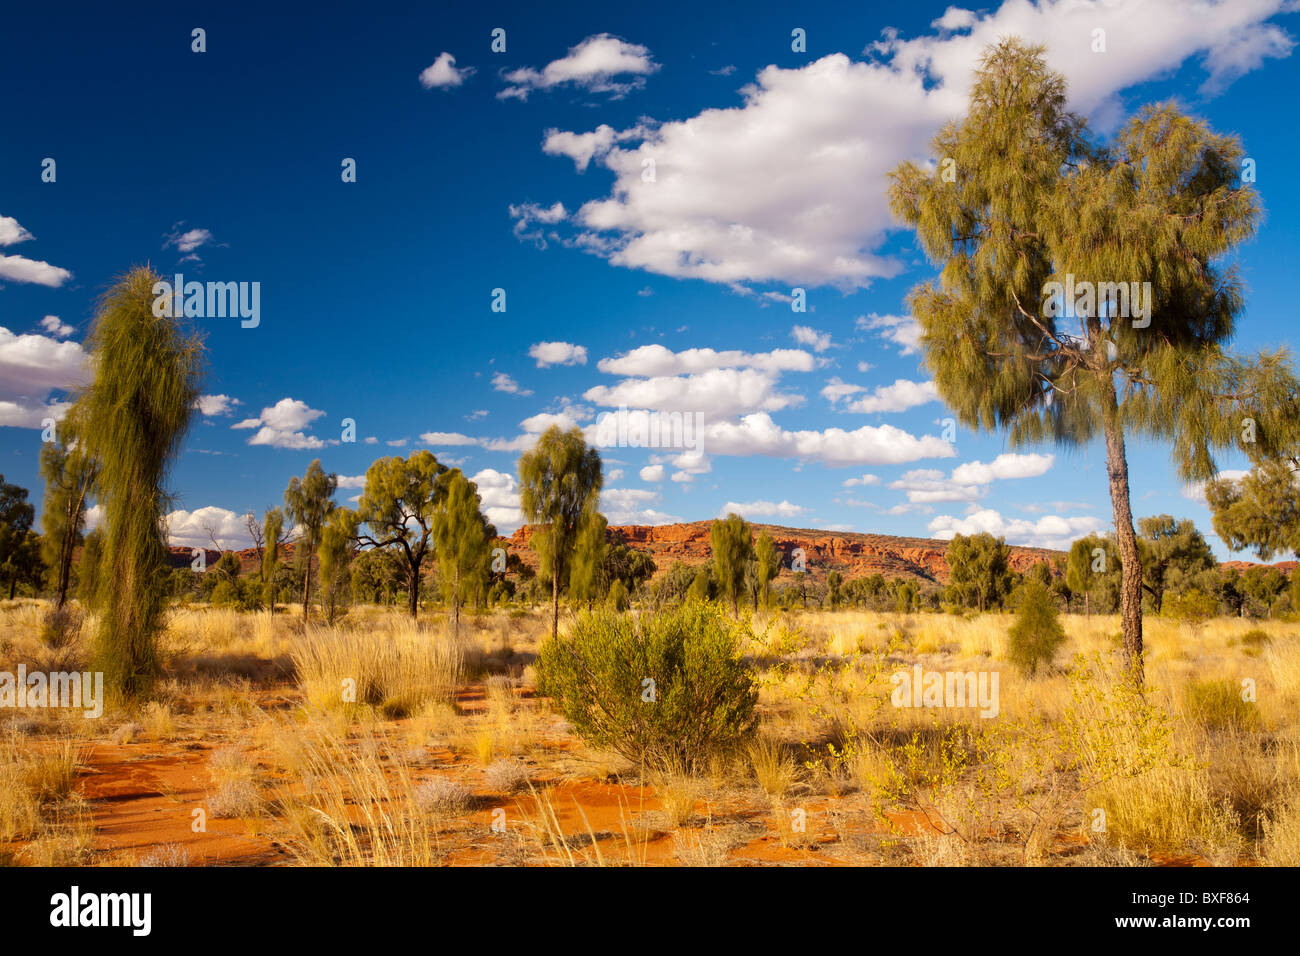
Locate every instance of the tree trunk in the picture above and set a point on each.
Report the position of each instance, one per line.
(413, 591)
(1126, 539)
(555, 599)
(306, 588)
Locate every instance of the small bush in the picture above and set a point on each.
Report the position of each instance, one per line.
(1037, 633)
(442, 797)
(1218, 705)
(506, 776)
(669, 690)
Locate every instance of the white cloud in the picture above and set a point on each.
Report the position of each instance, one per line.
(499, 494)
(595, 65)
(558, 353)
(716, 393)
(352, 481)
(902, 330)
(56, 327)
(189, 529)
(757, 434)
(446, 438)
(1051, 531)
(526, 214)
(22, 269)
(837, 389)
(213, 405)
(860, 482)
(31, 367)
(816, 340)
(656, 360)
(1004, 466)
(11, 232)
(583, 147)
(898, 397)
(504, 383)
(762, 509)
(614, 474)
(284, 425)
(965, 483)
(442, 73)
(787, 186)
(652, 473)
(187, 241)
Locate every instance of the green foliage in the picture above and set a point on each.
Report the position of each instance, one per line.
(731, 547)
(1260, 510)
(1034, 206)
(701, 700)
(979, 573)
(586, 571)
(1218, 704)
(309, 503)
(334, 556)
(767, 559)
(1173, 553)
(69, 473)
(1037, 633)
(464, 542)
(16, 558)
(134, 416)
(618, 596)
(399, 508)
(559, 486)
(1191, 607)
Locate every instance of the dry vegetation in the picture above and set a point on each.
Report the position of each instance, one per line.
(386, 742)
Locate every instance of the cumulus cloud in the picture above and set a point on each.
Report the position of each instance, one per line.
(189, 529)
(762, 509)
(502, 382)
(1050, 531)
(284, 425)
(862, 481)
(56, 327)
(631, 506)
(656, 360)
(967, 480)
(212, 405)
(442, 73)
(447, 438)
(558, 353)
(652, 473)
(31, 367)
(499, 494)
(757, 434)
(22, 269)
(716, 393)
(599, 64)
(902, 330)
(786, 187)
(898, 397)
(11, 232)
(816, 340)
(527, 214)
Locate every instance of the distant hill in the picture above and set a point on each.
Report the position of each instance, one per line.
(851, 553)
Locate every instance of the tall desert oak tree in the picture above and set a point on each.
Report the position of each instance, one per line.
(132, 418)
(309, 502)
(398, 509)
(559, 487)
(1021, 207)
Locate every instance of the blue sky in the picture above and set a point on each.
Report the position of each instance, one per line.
(525, 170)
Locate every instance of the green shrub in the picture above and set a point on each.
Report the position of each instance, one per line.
(669, 689)
(1192, 607)
(1218, 705)
(1037, 633)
